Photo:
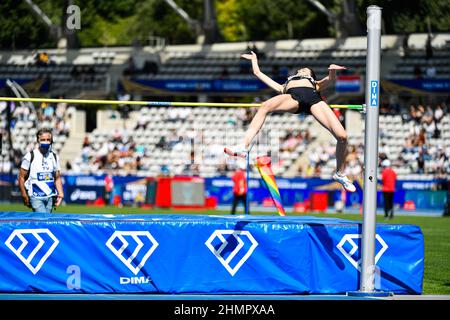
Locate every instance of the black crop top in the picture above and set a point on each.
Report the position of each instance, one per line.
(297, 77)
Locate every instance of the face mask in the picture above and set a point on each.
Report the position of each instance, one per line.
(44, 145)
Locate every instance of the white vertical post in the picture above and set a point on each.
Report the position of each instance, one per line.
(367, 283)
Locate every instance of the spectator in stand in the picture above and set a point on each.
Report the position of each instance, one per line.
(428, 114)
(384, 150)
(142, 122)
(247, 118)
(417, 72)
(191, 168)
(420, 111)
(408, 146)
(442, 161)
(164, 171)
(138, 165)
(429, 47)
(42, 59)
(407, 116)
(222, 169)
(421, 162)
(420, 138)
(61, 108)
(75, 72)
(384, 108)
(162, 143)
(260, 53)
(130, 68)
(289, 142)
(86, 142)
(389, 178)
(438, 113)
(239, 188)
(109, 186)
(48, 111)
(150, 67)
(174, 139)
(405, 46)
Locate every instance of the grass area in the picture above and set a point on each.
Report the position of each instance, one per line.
(436, 231)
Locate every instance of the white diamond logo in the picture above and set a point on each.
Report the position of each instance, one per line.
(20, 234)
(350, 238)
(237, 234)
(136, 236)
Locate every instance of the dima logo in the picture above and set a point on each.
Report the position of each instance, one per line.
(119, 245)
(34, 257)
(135, 280)
(348, 254)
(220, 252)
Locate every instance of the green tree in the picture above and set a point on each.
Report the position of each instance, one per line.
(411, 16)
(157, 18)
(107, 22)
(119, 22)
(274, 20)
(20, 28)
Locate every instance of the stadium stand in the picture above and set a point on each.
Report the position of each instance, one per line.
(187, 141)
(24, 126)
(151, 141)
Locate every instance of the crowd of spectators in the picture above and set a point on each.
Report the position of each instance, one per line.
(24, 119)
(423, 152)
(293, 139)
(425, 125)
(119, 152)
(417, 154)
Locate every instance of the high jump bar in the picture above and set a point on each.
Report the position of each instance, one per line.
(159, 103)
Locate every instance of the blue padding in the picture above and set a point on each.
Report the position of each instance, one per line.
(71, 253)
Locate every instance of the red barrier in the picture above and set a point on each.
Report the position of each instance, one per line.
(319, 201)
(163, 193)
(181, 192)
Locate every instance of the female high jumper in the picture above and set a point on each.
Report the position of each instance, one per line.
(299, 94)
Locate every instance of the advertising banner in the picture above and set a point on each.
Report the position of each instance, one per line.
(85, 189)
(348, 84)
(198, 85)
(170, 254)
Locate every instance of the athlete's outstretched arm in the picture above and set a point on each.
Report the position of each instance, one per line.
(261, 76)
(321, 84)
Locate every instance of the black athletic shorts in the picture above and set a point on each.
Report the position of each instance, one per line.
(306, 97)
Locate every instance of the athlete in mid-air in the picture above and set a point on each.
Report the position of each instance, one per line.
(299, 94)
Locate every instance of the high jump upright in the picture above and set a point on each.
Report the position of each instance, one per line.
(368, 267)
